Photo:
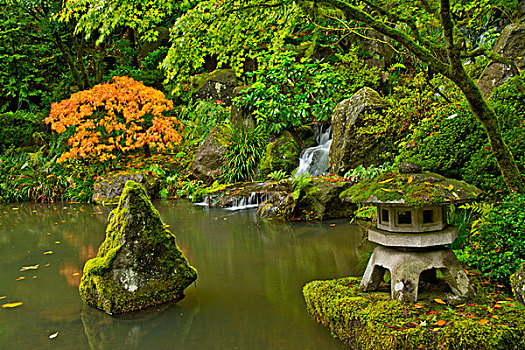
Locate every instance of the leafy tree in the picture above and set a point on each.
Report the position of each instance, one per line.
(113, 118)
(429, 30)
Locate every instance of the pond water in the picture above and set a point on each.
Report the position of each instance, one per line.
(247, 295)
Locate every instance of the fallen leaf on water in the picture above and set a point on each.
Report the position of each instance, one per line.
(35, 276)
(57, 242)
(332, 225)
(76, 274)
(20, 278)
(385, 181)
(48, 252)
(439, 301)
(46, 265)
(48, 233)
(25, 268)
(11, 305)
(483, 321)
(54, 335)
(440, 323)
(410, 179)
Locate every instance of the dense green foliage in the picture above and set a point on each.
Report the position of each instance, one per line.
(452, 143)
(496, 245)
(290, 92)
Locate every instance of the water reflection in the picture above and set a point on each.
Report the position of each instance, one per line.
(247, 296)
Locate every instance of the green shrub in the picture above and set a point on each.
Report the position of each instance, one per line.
(453, 143)
(245, 147)
(497, 246)
(289, 93)
(17, 129)
(200, 118)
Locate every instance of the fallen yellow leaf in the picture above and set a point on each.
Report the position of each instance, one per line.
(20, 278)
(497, 306)
(461, 305)
(76, 274)
(410, 179)
(48, 252)
(57, 242)
(386, 190)
(439, 301)
(386, 181)
(11, 305)
(418, 306)
(450, 188)
(483, 321)
(495, 316)
(25, 268)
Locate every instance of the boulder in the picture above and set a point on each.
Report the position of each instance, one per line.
(511, 45)
(217, 85)
(139, 263)
(517, 282)
(349, 148)
(162, 39)
(281, 154)
(316, 200)
(108, 188)
(241, 116)
(207, 164)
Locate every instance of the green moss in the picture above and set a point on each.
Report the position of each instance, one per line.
(282, 154)
(373, 321)
(138, 264)
(410, 189)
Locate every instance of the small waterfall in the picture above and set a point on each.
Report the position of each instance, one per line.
(250, 202)
(314, 160)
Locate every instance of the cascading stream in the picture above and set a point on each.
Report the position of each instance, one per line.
(314, 160)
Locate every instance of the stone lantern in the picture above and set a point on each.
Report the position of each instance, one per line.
(412, 230)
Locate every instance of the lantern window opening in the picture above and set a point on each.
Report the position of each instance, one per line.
(384, 216)
(404, 217)
(428, 216)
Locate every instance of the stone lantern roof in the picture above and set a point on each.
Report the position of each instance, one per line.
(411, 188)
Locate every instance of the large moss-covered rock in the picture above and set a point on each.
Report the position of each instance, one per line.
(207, 164)
(281, 154)
(108, 188)
(139, 263)
(350, 148)
(510, 45)
(217, 85)
(517, 282)
(374, 321)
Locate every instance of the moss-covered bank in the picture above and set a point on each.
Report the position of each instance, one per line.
(139, 263)
(374, 321)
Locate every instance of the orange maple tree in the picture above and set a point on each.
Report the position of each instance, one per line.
(115, 117)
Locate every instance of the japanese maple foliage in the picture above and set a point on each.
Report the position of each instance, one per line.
(116, 117)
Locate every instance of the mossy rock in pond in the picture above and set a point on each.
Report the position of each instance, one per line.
(108, 188)
(139, 263)
(282, 154)
(374, 321)
(415, 190)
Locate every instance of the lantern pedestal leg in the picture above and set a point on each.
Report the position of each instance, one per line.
(406, 267)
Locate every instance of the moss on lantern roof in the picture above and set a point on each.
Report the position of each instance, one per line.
(410, 189)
